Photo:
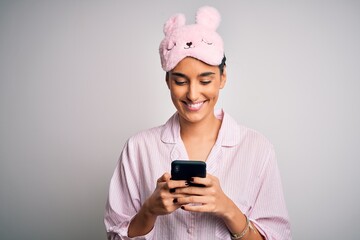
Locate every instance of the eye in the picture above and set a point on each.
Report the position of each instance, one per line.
(180, 82)
(205, 82)
(207, 42)
(171, 45)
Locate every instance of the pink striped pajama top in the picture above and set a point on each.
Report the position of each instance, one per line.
(242, 159)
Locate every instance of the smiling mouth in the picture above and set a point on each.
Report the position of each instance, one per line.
(194, 106)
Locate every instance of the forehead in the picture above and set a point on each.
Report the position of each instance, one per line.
(193, 65)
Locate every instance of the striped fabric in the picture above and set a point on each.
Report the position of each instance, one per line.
(242, 159)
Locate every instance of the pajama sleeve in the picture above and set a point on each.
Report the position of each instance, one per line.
(123, 201)
(269, 211)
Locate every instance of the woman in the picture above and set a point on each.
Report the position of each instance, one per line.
(241, 197)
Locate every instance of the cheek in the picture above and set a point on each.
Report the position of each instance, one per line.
(175, 97)
(214, 93)
(176, 92)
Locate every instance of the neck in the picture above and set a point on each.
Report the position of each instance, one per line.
(207, 129)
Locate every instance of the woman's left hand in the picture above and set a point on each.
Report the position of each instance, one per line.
(209, 198)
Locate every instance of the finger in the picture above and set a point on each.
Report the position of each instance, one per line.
(197, 200)
(207, 181)
(199, 191)
(169, 206)
(196, 208)
(178, 184)
(164, 178)
(175, 199)
(173, 185)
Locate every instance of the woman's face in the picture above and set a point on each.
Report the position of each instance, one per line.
(194, 88)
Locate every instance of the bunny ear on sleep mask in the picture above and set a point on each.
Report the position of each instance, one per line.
(199, 40)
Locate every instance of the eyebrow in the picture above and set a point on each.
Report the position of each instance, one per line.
(204, 74)
(179, 75)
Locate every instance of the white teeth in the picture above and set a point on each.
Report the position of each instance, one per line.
(195, 105)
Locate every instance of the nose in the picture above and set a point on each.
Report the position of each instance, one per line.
(189, 44)
(193, 92)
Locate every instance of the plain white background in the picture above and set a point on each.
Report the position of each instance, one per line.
(77, 78)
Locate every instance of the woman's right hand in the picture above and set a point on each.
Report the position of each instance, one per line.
(161, 202)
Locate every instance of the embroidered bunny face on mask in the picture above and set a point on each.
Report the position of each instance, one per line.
(200, 40)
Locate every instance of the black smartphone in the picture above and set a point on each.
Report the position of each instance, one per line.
(186, 169)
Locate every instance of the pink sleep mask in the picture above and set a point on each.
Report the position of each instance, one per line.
(199, 40)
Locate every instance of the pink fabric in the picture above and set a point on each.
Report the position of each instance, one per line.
(242, 159)
(198, 40)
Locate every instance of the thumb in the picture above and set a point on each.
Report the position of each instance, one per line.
(164, 178)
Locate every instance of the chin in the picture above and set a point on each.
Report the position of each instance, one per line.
(193, 117)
